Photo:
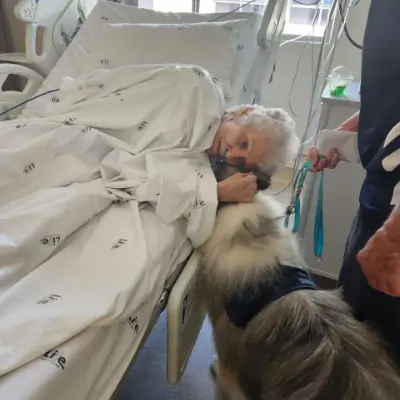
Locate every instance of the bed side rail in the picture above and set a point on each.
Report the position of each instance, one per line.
(50, 25)
(10, 98)
(185, 313)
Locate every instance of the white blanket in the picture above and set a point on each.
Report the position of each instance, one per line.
(75, 251)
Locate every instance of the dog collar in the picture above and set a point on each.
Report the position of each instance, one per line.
(244, 306)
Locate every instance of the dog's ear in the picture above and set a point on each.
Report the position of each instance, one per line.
(263, 180)
(258, 227)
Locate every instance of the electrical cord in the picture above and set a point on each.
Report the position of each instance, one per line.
(295, 39)
(307, 4)
(232, 11)
(299, 61)
(28, 101)
(346, 30)
(321, 65)
(304, 139)
(314, 107)
(325, 65)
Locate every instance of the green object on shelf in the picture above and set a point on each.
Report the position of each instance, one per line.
(338, 80)
(338, 91)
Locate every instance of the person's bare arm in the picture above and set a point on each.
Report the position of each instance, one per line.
(380, 258)
(238, 188)
(332, 158)
(351, 124)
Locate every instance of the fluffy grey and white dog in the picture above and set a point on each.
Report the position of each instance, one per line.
(277, 336)
(302, 345)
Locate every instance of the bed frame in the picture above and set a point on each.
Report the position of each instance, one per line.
(185, 312)
(185, 317)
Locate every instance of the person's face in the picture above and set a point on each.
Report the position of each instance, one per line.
(245, 144)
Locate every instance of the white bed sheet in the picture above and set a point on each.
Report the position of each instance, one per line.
(90, 364)
(76, 58)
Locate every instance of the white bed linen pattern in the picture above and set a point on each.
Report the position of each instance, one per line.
(76, 58)
(212, 46)
(94, 262)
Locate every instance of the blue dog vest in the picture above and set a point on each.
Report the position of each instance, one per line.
(244, 306)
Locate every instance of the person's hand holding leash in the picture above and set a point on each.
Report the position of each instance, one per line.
(331, 159)
(380, 258)
(237, 188)
(319, 163)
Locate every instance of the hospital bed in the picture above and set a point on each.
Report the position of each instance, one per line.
(99, 357)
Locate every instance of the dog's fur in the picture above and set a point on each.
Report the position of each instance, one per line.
(304, 346)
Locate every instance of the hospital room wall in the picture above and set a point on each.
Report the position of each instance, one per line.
(277, 94)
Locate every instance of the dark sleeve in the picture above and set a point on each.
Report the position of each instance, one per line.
(380, 101)
(380, 81)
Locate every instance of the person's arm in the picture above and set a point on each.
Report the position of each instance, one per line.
(380, 258)
(238, 188)
(338, 145)
(351, 124)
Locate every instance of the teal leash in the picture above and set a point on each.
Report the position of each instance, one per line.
(319, 221)
(295, 208)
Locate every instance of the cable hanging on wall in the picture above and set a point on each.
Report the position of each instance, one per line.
(307, 4)
(341, 12)
(323, 65)
(232, 11)
(346, 29)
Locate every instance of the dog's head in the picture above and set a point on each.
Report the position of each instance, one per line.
(222, 170)
(247, 243)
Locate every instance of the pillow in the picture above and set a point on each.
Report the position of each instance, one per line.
(245, 43)
(211, 45)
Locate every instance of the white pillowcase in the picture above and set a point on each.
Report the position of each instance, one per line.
(245, 38)
(211, 45)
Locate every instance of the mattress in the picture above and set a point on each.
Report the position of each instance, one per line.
(76, 58)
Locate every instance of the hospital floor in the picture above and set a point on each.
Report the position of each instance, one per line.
(146, 380)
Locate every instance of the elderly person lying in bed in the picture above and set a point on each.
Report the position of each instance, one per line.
(161, 122)
(258, 141)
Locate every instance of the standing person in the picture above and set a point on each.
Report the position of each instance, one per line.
(379, 148)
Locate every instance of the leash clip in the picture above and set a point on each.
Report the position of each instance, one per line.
(291, 209)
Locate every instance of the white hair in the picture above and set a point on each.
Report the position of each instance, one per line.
(280, 128)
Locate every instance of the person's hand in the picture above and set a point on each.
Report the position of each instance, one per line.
(330, 160)
(380, 258)
(238, 188)
(350, 125)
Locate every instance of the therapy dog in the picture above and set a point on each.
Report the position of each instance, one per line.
(277, 336)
